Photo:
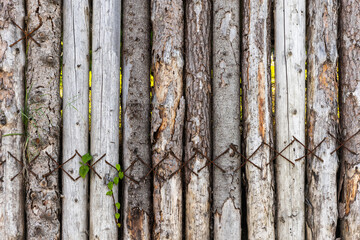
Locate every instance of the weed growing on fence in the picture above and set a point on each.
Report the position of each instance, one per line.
(116, 180)
(84, 168)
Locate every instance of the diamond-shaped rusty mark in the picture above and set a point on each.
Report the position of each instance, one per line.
(132, 179)
(209, 161)
(342, 144)
(233, 147)
(26, 167)
(27, 34)
(91, 166)
(309, 151)
(60, 166)
(280, 153)
(154, 168)
(184, 164)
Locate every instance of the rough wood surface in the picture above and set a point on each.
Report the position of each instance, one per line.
(257, 119)
(197, 126)
(105, 90)
(350, 117)
(290, 117)
(168, 110)
(136, 57)
(44, 104)
(76, 30)
(321, 195)
(12, 63)
(226, 119)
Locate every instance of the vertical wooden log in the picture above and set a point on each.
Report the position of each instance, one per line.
(105, 90)
(136, 113)
(197, 127)
(167, 116)
(44, 119)
(257, 119)
(290, 117)
(322, 210)
(12, 63)
(76, 116)
(349, 117)
(226, 119)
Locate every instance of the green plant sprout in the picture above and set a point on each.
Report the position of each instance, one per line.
(84, 168)
(110, 185)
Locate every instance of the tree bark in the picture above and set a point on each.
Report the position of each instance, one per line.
(349, 117)
(42, 83)
(136, 113)
(105, 90)
(76, 116)
(167, 116)
(12, 63)
(226, 119)
(258, 119)
(197, 127)
(322, 210)
(290, 117)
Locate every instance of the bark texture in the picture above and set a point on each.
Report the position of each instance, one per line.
(350, 117)
(104, 115)
(42, 83)
(136, 119)
(167, 116)
(226, 119)
(290, 117)
(76, 116)
(257, 119)
(198, 89)
(12, 63)
(322, 210)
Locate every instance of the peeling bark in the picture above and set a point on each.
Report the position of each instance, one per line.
(167, 116)
(321, 192)
(12, 63)
(257, 119)
(76, 116)
(226, 119)
(42, 83)
(197, 127)
(136, 113)
(349, 117)
(105, 91)
(290, 117)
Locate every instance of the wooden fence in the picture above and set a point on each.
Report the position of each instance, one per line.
(160, 119)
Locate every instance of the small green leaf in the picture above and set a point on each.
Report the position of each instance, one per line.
(121, 175)
(116, 180)
(110, 185)
(118, 167)
(83, 170)
(117, 205)
(117, 215)
(109, 193)
(119, 225)
(86, 158)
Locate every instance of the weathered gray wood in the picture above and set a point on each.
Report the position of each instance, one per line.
(105, 90)
(136, 57)
(167, 116)
(226, 118)
(197, 126)
(257, 119)
(42, 83)
(290, 117)
(12, 62)
(349, 117)
(76, 33)
(322, 210)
